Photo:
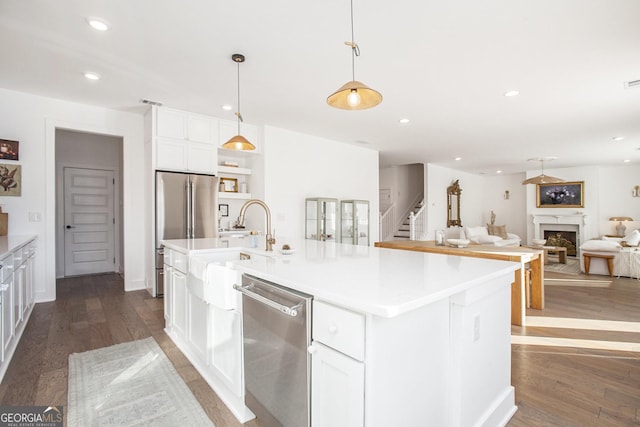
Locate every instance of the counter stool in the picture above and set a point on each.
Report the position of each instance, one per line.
(587, 261)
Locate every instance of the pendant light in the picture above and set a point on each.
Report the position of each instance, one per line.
(238, 142)
(354, 95)
(542, 178)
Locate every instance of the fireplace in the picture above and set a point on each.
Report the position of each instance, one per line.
(561, 230)
(563, 239)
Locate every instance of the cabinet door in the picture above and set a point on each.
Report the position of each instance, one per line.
(18, 286)
(202, 157)
(24, 295)
(171, 154)
(171, 123)
(31, 291)
(337, 389)
(7, 316)
(179, 303)
(226, 346)
(168, 295)
(201, 129)
(197, 326)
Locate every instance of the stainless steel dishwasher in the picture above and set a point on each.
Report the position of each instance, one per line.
(276, 323)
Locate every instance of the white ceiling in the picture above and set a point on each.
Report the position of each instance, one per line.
(444, 65)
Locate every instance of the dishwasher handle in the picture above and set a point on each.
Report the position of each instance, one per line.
(246, 290)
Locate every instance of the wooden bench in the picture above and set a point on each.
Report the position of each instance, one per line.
(587, 261)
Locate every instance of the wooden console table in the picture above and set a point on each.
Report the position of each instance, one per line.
(562, 252)
(520, 254)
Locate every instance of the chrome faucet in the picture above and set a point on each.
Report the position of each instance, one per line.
(270, 239)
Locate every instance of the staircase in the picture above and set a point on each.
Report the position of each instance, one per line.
(403, 232)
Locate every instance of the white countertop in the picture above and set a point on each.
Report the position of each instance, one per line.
(383, 282)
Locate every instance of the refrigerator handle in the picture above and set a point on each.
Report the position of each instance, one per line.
(188, 208)
(192, 219)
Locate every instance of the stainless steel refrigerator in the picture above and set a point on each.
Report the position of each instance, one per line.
(186, 207)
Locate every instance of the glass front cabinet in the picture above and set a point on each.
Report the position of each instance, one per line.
(354, 222)
(321, 219)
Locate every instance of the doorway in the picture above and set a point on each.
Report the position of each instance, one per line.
(88, 203)
(89, 221)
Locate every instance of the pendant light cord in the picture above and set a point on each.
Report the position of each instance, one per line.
(238, 115)
(355, 50)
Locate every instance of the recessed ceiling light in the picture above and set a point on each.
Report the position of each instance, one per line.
(627, 160)
(91, 75)
(98, 24)
(498, 171)
(227, 107)
(618, 138)
(457, 159)
(512, 93)
(404, 121)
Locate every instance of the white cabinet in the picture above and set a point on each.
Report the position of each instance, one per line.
(337, 389)
(8, 329)
(198, 324)
(168, 292)
(17, 293)
(226, 347)
(179, 302)
(337, 367)
(185, 141)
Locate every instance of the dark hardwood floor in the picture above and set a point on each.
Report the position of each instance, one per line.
(92, 312)
(555, 385)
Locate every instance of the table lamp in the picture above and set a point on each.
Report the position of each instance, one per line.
(620, 228)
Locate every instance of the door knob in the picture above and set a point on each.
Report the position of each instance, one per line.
(71, 226)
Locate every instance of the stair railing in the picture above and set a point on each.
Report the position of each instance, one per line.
(387, 223)
(418, 224)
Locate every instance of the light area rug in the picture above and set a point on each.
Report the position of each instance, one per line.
(130, 384)
(572, 268)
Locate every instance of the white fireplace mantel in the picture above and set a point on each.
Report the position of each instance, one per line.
(578, 219)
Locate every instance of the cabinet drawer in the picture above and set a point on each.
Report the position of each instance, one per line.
(339, 328)
(179, 261)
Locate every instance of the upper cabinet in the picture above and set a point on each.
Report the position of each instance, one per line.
(185, 141)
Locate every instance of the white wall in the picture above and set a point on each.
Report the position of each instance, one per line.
(32, 120)
(299, 166)
(87, 150)
(471, 199)
(511, 211)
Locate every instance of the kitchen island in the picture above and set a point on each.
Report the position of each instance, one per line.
(399, 338)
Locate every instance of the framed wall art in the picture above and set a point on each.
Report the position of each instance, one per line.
(9, 149)
(10, 180)
(224, 210)
(562, 195)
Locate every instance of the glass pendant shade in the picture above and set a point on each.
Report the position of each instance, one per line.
(239, 142)
(354, 95)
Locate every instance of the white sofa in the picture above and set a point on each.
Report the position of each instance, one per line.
(481, 235)
(626, 261)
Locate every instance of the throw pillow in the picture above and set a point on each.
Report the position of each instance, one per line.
(497, 230)
(600, 245)
(633, 239)
(475, 231)
(483, 240)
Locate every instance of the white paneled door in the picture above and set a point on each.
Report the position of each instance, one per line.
(89, 241)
